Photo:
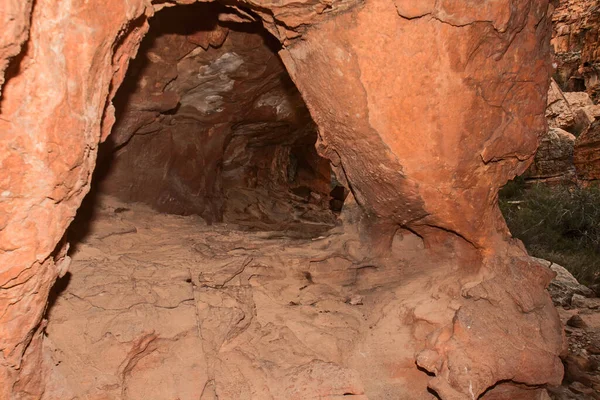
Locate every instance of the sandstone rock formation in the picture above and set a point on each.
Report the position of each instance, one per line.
(424, 111)
(558, 111)
(564, 285)
(580, 313)
(205, 118)
(569, 114)
(571, 111)
(267, 317)
(575, 40)
(15, 22)
(587, 153)
(554, 157)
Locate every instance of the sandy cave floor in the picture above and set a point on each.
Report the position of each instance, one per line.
(161, 306)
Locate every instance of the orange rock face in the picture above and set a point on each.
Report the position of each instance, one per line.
(14, 16)
(401, 103)
(575, 39)
(424, 111)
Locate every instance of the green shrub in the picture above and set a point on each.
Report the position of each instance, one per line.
(560, 223)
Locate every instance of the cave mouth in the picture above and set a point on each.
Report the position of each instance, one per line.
(209, 123)
(209, 126)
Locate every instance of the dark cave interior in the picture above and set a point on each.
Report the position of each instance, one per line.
(208, 122)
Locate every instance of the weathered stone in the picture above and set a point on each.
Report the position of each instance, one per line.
(569, 114)
(558, 111)
(424, 138)
(592, 112)
(564, 285)
(583, 109)
(15, 21)
(578, 99)
(580, 301)
(554, 158)
(570, 111)
(508, 391)
(587, 153)
(576, 322)
(201, 129)
(575, 40)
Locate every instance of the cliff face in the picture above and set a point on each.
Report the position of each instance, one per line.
(566, 151)
(576, 42)
(424, 111)
(573, 99)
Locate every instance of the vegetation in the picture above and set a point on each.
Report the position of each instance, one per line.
(560, 223)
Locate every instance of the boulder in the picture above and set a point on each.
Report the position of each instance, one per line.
(578, 99)
(569, 114)
(570, 111)
(554, 158)
(564, 286)
(558, 111)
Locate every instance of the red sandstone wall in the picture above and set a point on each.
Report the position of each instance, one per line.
(576, 43)
(428, 107)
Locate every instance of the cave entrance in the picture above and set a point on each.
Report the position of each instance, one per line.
(208, 122)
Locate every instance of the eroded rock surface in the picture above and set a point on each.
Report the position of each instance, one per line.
(587, 153)
(575, 40)
(579, 311)
(564, 285)
(162, 306)
(554, 157)
(185, 310)
(341, 72)
(571, 117)
(423, 137)
(570, 111)
(209, 123)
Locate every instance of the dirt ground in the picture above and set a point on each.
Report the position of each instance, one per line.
(159, 306)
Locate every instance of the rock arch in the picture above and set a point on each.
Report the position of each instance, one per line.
(426, 109)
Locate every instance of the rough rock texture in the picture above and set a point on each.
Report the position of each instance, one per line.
(571, 111)
(554, 157)
(558, 111)
(423, 136)
(491, 142)
(576, 42)
(564, 285)
(14, 18)
(587, 153)
(209, 123)
(569, 114)
(267, 316)
(579, 311)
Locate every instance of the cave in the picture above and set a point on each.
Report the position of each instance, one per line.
(271, 200)
(209, 123)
